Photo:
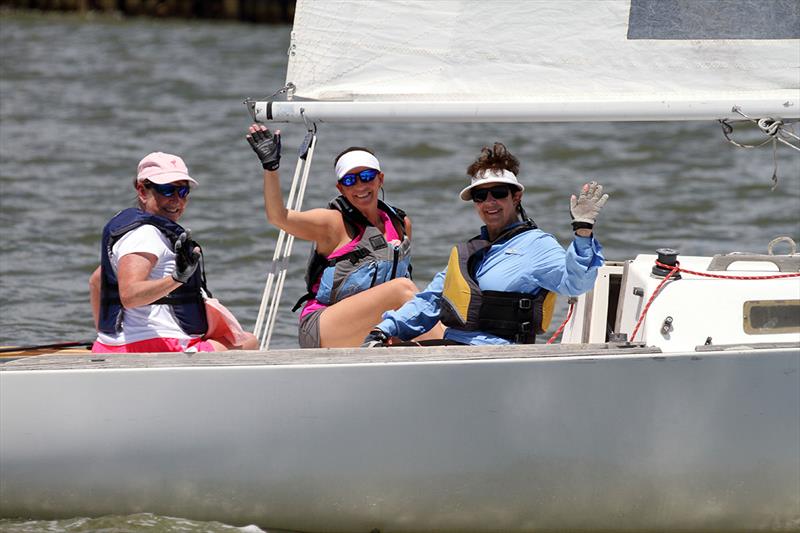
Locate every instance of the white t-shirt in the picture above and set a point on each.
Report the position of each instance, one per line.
(147, 321)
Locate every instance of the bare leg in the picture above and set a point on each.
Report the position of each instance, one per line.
(347, 322)
(221, 345)
(435, 333)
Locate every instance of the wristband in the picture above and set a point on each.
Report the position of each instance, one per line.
(581, 225)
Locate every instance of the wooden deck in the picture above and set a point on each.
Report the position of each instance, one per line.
(29, 352)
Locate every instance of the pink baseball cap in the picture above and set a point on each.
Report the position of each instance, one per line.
(162, 168)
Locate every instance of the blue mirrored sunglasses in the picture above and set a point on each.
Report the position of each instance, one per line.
(366, 175)
(168, 189)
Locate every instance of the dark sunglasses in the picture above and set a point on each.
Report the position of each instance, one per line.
(168, 189)
(366, 175)
(498, 193)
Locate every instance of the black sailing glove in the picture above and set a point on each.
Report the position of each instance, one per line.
(186, 257)
(376, 339)
(267, 147)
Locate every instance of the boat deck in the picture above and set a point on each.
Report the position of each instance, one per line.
(79, 359)
(321, 356)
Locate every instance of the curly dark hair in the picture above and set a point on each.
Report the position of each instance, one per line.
(495, 158)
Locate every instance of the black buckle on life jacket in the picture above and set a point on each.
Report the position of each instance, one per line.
(524, 333)
(358, 255)
(354, 257)
(525, 304)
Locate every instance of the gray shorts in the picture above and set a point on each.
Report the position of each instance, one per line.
(308, 331)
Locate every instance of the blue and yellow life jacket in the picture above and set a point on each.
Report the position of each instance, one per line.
(186, 301)
(516, 316)
(373, 260)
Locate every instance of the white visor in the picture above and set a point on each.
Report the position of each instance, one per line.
(485, 177)
(355, 159)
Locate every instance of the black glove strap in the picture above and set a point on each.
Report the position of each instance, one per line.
(581, 225)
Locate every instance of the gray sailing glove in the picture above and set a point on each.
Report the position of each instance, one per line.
(267, 147)
(587, 205)
(186, 257)
(376, 339)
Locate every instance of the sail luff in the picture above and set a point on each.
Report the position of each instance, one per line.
(548, 60)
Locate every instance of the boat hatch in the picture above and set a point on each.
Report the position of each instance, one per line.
(749, 302)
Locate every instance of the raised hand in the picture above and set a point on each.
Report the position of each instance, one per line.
(187, 257)
(266, 146)
(585, 208)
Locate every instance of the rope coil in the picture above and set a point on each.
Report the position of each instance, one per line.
(776, 131)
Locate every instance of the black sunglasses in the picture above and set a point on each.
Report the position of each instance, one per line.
(498, 193)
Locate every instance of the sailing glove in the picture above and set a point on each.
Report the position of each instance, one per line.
(376, 339)
(587, 205)
(187, 257)
(267, 147)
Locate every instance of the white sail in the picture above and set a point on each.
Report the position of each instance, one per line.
(541, 60)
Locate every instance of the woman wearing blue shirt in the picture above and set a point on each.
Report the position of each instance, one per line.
(499, 287)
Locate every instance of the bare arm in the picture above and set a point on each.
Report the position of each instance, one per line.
(320, 225)
(135, 289)
(94, 295)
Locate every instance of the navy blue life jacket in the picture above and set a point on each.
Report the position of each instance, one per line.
(373, 261)
(186, 301)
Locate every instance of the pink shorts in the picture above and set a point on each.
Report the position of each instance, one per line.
(154, 345)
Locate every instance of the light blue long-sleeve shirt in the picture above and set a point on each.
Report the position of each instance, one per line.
(525, 263)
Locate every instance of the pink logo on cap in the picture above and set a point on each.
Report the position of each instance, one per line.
(162, 168)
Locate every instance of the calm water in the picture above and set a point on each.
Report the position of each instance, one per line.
(82, 100)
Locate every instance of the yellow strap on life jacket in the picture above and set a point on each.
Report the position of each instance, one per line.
(456, 289)
(547, 309)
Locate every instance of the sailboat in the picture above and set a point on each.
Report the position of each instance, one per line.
(672, 402)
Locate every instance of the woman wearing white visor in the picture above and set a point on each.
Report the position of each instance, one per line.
(360, 264)
(499, 287)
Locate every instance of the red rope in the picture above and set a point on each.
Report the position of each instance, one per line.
(563, 324)
(677, 268)
(721, 276)
(650, 301)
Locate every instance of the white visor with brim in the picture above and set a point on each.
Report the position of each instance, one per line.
(487, 177)
(355, 159)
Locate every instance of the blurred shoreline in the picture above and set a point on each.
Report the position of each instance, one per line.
(257, 11)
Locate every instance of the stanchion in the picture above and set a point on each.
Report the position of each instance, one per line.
(273, 289)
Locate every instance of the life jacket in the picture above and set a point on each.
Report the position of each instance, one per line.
(515, 316)
(373, 260)
(187, 300)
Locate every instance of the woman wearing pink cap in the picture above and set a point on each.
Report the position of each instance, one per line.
(360, 264)
(149, 293)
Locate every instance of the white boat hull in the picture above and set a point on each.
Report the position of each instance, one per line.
(411, 440)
